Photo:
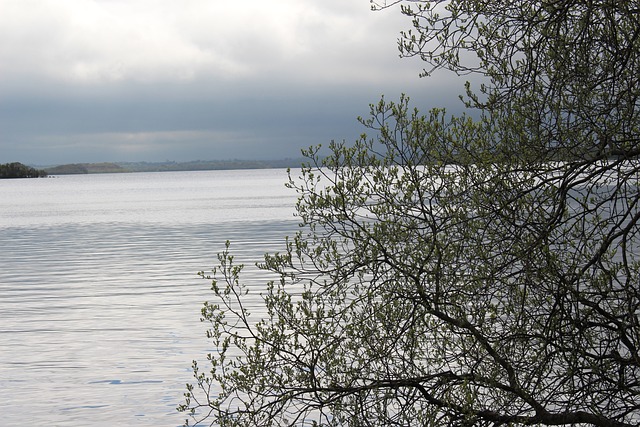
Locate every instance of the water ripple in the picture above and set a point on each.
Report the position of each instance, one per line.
(99, 294)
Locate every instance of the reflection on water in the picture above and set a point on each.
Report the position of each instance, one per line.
(99, 297)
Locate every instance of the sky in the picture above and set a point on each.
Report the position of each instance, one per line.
(183, 80)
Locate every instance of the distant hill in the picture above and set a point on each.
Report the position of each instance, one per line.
(210, 165)
(90, 168)
(85, 168)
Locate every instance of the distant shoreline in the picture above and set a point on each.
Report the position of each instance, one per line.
(17, 170)
(169, 166)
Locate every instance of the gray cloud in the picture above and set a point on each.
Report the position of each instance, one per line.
(160, 80)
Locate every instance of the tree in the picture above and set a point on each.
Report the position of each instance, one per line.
(18, 170)
(472, 270)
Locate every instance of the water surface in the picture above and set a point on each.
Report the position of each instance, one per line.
(99, 296)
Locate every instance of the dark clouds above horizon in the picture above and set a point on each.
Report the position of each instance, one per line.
(155, 80)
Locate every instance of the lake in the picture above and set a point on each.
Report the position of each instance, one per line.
(99, 294)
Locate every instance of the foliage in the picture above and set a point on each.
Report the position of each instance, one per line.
(568, 70)
(18, 170)
(474, 270)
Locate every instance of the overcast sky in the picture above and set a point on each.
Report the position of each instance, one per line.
(155, 80)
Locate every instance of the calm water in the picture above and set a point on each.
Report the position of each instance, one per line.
(99, 296)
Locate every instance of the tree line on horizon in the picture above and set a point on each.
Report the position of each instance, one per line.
(170, 166)
(19, 170)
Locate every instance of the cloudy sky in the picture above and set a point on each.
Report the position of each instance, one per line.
(155, 80)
